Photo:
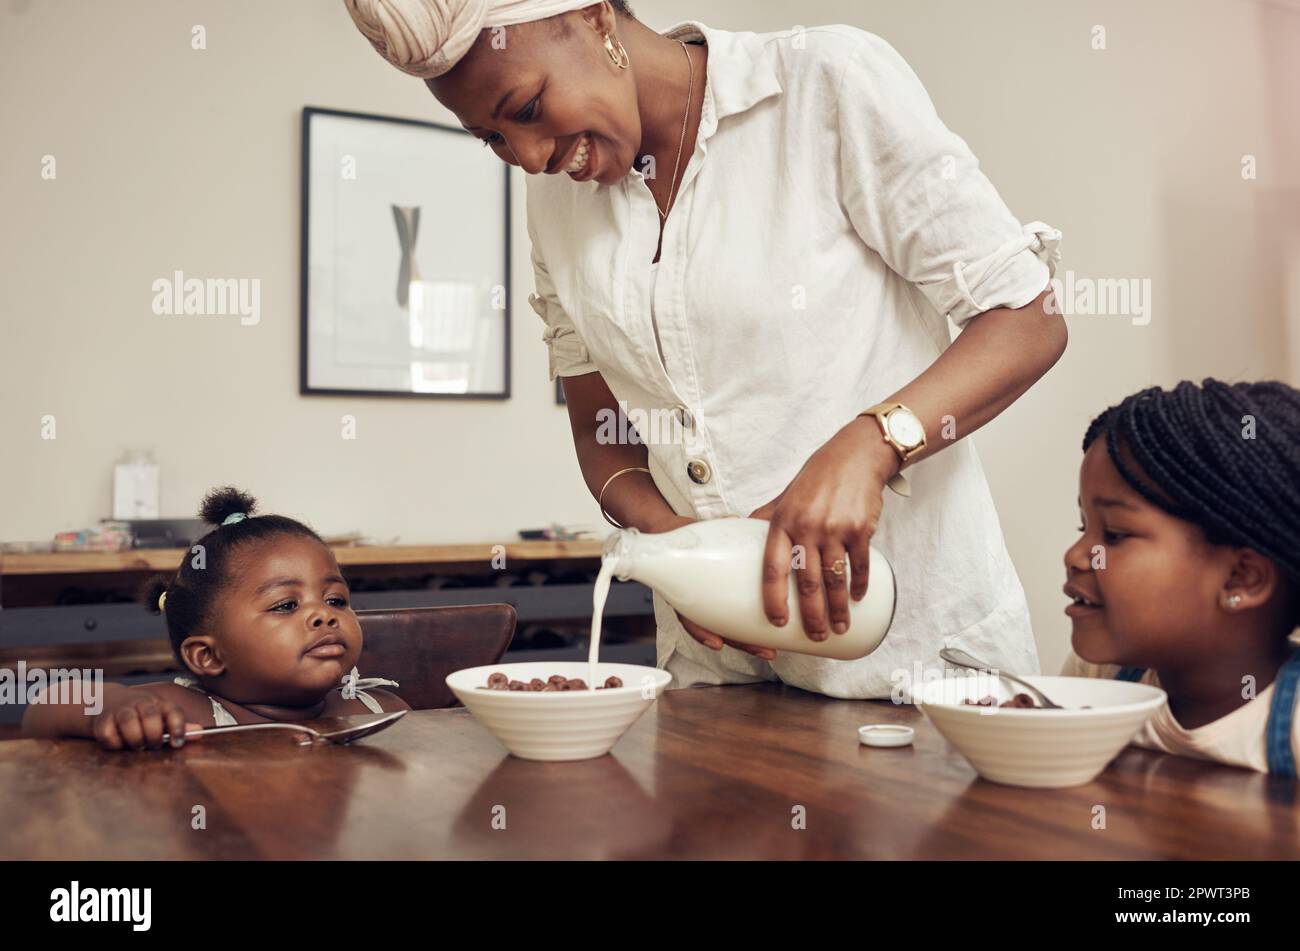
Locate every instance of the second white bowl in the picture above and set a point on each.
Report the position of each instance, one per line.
(1040, 748)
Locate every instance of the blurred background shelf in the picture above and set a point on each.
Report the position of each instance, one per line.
(441, 556)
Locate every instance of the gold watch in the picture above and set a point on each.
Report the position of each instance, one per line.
(901, 427)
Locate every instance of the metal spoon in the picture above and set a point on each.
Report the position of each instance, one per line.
(346, 735)
(962, 659)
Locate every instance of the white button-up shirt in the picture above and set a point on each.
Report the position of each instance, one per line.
(825, 225)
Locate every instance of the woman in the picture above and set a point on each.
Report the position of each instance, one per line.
(763, 233)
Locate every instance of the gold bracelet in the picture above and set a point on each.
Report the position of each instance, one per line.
(600, 499)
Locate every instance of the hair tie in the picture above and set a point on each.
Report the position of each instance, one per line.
(162, 600)
(234, 517)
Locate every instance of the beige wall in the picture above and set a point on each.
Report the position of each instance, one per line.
(172, 158)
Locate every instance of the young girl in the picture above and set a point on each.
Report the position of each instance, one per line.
(1187, 574)
(258, 614)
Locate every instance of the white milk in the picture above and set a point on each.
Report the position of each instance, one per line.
(711, 572)
(603, 580)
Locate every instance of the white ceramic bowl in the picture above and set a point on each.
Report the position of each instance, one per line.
(559, 725)
(1040, 748)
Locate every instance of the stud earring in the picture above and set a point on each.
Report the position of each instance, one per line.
(1234, 600)
(617, 55)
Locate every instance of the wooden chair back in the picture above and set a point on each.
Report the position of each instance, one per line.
(419, 647)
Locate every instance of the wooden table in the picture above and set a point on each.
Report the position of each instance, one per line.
(715, 772)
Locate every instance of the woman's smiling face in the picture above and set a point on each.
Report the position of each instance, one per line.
(540, 92)
(1155, 601)
(285, 632)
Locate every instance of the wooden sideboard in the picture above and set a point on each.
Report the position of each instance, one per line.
(443, 556)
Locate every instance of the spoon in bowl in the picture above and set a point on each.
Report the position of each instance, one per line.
(960, 658)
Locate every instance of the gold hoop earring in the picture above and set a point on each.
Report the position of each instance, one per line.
(617, 55)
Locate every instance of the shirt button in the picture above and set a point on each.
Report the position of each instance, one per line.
(699, 471)
(684, 417)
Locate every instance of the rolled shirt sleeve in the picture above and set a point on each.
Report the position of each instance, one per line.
(568, 354)
(915, 194)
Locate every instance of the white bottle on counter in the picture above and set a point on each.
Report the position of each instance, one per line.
(711, 572)
(135, 486)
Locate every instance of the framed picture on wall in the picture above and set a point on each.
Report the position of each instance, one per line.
(405, 260)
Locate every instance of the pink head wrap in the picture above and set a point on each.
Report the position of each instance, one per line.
(426, 38)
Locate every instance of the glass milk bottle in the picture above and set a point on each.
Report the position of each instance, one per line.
(711, 572)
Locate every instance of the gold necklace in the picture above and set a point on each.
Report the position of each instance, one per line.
(690, 88)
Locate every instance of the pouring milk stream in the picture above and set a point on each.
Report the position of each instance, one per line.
(711, 572)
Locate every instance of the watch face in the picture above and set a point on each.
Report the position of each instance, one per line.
(905, 428)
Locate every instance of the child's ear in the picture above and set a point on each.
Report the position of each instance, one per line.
(202, 656)
(1253, 581)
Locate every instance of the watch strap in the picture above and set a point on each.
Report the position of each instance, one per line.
(899, 484)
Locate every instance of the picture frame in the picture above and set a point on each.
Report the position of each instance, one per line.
(405, 260)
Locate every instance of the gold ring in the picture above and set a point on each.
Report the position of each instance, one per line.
(836, 567)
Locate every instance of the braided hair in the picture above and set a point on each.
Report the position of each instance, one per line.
(1223, 456)
(187, 596)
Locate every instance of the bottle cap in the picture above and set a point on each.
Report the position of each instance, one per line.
(885, 734)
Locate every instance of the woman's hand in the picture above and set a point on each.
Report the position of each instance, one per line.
(825, 518)
(702, 634)
(138, 721)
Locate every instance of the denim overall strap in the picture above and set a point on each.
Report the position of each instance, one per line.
(1281, 716)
